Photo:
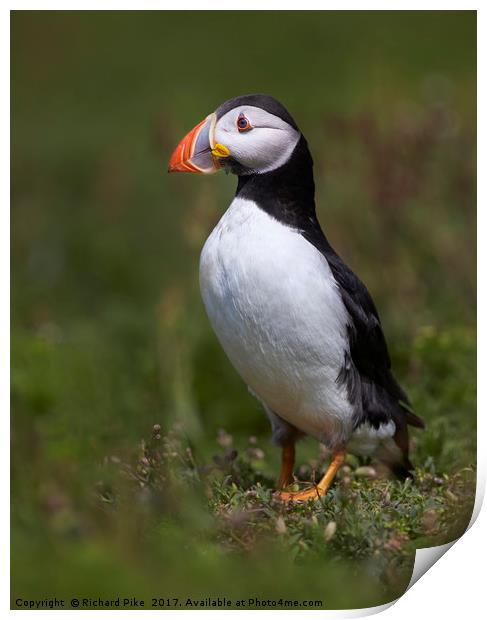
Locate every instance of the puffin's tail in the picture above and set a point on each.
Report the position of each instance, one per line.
(414, 420)
(405, 469)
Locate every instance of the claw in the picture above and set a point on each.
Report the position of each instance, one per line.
(323, 485)
(300, 496)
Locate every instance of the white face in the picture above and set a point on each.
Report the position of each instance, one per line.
(262, 144)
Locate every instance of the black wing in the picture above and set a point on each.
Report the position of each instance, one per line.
(372, 387)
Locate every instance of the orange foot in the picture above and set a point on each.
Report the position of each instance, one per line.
(323, 485)
(300, 496)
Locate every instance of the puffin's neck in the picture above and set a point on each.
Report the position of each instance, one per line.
(287, 193)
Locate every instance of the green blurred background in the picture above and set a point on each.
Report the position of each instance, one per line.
(109, 335)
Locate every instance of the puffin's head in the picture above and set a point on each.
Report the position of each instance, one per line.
(252, 134)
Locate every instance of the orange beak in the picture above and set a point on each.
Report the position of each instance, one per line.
(193, 153)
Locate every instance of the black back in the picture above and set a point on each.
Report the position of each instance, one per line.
(287, 194)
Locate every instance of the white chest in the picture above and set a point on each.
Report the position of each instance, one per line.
(277, 311)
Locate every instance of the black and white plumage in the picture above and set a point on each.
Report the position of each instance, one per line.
(296, 322)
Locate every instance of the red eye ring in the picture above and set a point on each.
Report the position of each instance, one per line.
(243, 123)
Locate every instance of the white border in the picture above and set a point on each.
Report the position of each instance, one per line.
(255, 5)
(5, 305)
(456, 584)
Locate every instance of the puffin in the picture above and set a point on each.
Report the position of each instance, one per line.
(298, 325)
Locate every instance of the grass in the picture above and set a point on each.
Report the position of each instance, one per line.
(109, 336)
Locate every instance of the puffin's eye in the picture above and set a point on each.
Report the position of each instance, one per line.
(243, 123)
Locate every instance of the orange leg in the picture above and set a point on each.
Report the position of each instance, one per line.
(323, 485)
(287, 465)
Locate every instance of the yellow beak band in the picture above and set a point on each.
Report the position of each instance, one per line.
(219, 150)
